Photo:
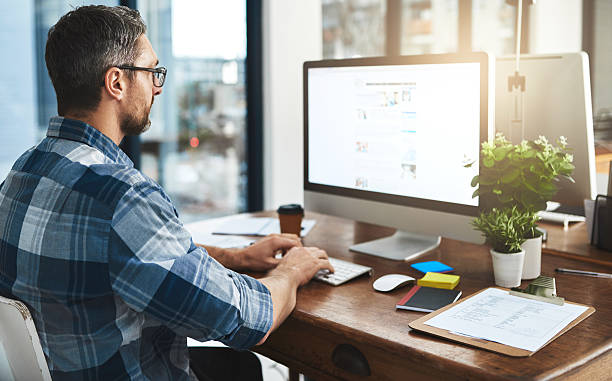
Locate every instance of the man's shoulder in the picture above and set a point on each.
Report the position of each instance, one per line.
(78, 167)
(109, 182)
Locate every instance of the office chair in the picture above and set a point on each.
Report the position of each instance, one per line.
(21, 356)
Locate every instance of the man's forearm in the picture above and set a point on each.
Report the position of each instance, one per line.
(227, 257)
(283, 289)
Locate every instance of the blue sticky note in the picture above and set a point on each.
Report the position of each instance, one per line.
(432, 266)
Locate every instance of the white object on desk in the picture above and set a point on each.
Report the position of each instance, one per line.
(391, 281)
(259, 226)
(495, 315)
(344, 271)
(201, 232)
(551, 214)
(223, 241)
(563, 218)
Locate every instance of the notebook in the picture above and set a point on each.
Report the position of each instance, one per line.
(427, 299)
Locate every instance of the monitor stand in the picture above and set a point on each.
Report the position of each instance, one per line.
(401, 246)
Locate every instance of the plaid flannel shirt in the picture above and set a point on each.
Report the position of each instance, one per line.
(112, 278)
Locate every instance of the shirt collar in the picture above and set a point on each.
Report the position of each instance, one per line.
(71, 129)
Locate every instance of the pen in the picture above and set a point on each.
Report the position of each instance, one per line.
(581, 272)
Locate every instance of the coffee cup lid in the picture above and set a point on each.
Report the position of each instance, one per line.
(290, 209)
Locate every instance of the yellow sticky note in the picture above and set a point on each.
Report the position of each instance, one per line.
(438, 280)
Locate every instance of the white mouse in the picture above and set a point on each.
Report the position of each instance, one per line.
(391, 281)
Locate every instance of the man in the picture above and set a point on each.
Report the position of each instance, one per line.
(96, 249)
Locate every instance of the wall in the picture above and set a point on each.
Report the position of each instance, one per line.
(292, 35)
(555, 26)
(600, 63)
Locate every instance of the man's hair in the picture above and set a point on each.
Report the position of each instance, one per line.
(83, 45)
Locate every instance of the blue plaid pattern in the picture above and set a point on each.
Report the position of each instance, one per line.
(113, 280)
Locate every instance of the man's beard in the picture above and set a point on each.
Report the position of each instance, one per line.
(133, 125)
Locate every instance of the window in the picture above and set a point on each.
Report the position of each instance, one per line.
(361, 28)
(493, 26)
(429, 26)
(353, 28)
(196, 147)
(27, 98)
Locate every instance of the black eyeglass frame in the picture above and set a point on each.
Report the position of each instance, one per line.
(158, 70)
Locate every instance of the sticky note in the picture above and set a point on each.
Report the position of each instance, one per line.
(438, 280)
(431, 266)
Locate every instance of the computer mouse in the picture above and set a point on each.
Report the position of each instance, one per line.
(391, 281)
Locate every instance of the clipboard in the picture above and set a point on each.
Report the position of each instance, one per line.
(419, 325)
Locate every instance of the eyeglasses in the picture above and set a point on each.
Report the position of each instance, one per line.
(159, 73)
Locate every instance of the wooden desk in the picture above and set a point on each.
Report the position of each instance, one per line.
(574, 242)
(355, 314)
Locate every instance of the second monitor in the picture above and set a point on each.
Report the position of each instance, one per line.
(386, 140)
(556, 102)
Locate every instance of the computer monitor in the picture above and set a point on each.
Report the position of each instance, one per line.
(556, 102)
(386, 140)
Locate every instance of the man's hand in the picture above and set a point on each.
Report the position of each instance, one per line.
(260, 256)
(302, 263)
(295, 269)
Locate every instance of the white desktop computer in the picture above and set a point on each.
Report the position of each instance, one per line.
(386, 140)
(556, 102)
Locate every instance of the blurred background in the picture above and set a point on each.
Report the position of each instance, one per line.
(226, 132)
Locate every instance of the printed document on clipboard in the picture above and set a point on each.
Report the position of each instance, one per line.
(494, 315)
(494, 320)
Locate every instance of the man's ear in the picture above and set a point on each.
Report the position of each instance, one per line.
(115, 83)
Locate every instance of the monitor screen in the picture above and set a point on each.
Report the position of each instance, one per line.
(556, 102)
(386, 140)
(398, 133)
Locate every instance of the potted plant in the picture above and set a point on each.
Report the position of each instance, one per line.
(523, 175)
(503, 230)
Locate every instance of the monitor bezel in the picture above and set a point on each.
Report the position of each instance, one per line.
(481, 58)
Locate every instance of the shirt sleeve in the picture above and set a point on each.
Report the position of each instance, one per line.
(155, 268)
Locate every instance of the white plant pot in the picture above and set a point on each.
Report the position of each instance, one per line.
(533, 258)
(507, 268)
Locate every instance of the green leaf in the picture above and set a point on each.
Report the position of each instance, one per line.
(485, 179)
(475, 181)
(530, 186)
(501, 152)
(548, 187)
(510, 176)
(567, 166)
(506, 198)
(488, 162)
(529, 154)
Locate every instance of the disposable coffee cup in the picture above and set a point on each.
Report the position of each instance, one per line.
(290, 217)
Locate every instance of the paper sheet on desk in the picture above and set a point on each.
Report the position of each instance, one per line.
(223, 241)
(495, 315)
(201, 233)
(259, 226)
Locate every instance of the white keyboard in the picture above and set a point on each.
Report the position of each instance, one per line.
(344, 271)
(563, 218)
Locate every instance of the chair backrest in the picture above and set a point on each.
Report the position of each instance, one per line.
(21, 356)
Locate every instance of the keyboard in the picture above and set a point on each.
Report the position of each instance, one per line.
(345, 271)
(562, 214)
(563, 218)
